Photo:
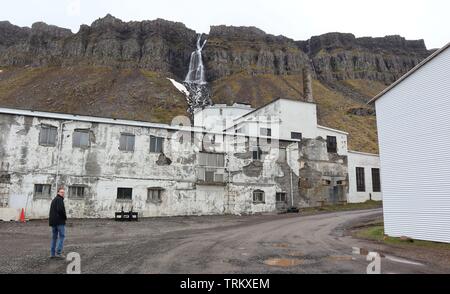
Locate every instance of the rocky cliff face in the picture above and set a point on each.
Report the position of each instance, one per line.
(157, 45)
(337, 56)
(119, 69)
(248, 50)
(166, 46)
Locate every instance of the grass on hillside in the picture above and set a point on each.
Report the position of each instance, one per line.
(375, 232)
(344, 207)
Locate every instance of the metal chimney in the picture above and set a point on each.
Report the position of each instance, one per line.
(307, 85)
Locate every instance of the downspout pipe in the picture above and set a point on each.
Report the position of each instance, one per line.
(59, 150)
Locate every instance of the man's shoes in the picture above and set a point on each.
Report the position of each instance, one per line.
(60, 256)
(52, 257)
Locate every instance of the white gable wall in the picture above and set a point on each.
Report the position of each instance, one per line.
(414, 136)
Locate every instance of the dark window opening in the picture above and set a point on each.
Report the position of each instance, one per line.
(331, 144)
(42, 191)
(257, 153)
(77, 192)
(258, 196)
(360, 180)
(266, 132)
(47, 136)
(127, 142)
(124, 193)
(376, 183)
(154, 195)
(81, 138)
(281, 197)
(157, 143)
(296, 136)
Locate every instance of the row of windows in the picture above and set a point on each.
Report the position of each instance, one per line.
(361, 180)
(43, 191)
(82, 139)
(259, 196)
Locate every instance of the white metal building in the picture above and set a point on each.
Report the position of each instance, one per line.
(414, 135)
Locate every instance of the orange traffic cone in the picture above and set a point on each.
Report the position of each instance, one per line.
(22, 216)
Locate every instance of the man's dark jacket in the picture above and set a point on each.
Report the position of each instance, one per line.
(57, 215)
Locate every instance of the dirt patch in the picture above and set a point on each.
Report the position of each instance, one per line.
(284, 262)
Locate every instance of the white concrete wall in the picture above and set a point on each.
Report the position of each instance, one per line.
(219, 117)
(103, 168)
(414, 135)
(297, 116)
(341, 138)
(366, 161)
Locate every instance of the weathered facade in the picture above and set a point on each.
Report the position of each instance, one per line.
(269, 160)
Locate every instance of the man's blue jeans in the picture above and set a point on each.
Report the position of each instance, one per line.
(58, 235)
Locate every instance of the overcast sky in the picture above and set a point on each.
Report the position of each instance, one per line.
(297, 19)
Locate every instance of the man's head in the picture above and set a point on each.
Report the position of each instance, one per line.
(61, 192)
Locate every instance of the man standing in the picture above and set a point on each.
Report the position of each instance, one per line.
(57, 220)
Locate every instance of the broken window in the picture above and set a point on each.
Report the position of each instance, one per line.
(81, 138)
(281, 197)
(257, 153)
(376, 183)
(211, 168)
(42, 191)
(326, 182)
(77, 192)
(127, 142)
(47, 135)
(360, 180)
(258, 196)
(266, 132)
(331, 144)
(154, 195)
(296, 136)
(211, 159)
(156, 144)
(124, 194)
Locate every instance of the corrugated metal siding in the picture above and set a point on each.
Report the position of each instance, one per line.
(414, 134)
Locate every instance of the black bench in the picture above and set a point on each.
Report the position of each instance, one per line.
(126, 216)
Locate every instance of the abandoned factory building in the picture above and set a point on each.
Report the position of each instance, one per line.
(233, 160)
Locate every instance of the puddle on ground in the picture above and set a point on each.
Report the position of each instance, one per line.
(295, 253)
(340, 258)
(283, 262)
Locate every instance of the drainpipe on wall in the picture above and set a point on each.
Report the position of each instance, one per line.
(61, 127)
(292, 192)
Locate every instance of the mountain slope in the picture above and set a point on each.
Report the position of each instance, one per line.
(120, 69)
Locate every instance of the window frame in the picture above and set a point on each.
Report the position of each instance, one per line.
(83, 131)
(293, 137)
(284, 194)
(360, 179)
(47, 128)
(40, 195)
(258, 152)
(154, 144)
(376, 185)
(152, 190)
(332, 144)
(126, 136)
(267, 132)
(121, 198)
(71, 196)
(259, 192)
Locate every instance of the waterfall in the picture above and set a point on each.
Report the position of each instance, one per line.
(195, 81)
(196, 74)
